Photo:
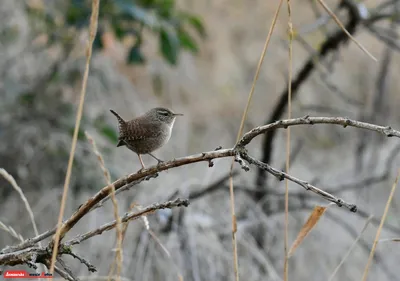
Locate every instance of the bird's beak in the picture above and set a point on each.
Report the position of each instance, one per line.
(178, 114)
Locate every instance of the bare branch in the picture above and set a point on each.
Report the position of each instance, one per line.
(387, 131)
(138, 177)
(64, 274)
(90, 267)
(127, 217)
(282, 175)
(68, 271)
(27, 256)
(27, 253)
(29, 242)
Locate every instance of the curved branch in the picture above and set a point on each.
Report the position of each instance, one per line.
(307, 120)
(25, 253)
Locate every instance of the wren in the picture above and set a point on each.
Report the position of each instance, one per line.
(146, 133)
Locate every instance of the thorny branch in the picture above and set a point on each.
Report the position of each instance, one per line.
(28, 253)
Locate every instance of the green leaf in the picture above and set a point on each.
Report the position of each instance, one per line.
(187, 41)
(197, 24)
(165, 8)
(169, 45)
(135, 55)
(119, 31)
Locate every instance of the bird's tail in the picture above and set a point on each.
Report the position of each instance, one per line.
(121, 126)
(120, 120)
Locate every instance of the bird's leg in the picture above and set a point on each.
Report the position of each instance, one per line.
(159, 160)
(141, 162)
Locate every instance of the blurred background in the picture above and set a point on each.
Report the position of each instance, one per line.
(199, 58)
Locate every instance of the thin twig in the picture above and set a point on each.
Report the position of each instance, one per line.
(92, 34)
(307, 186)
(67, 269)
(89, 266)
(64, 274)
(29, 242)
(125, 218)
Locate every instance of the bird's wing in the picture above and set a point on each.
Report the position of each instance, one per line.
(139, 129)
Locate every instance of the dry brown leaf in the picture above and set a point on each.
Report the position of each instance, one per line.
(307, 227)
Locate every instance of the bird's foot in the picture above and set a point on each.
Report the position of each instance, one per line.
(140, 170)
(159, 162)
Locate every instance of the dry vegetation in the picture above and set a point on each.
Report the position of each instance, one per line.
(171, 242)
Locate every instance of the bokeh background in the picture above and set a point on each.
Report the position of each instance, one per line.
(199, 58)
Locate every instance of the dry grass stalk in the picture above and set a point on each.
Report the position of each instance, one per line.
(124, 229)
(14, 184)
(17, 188)
(11, 231)
(340, 24)
(378, 232)
(240, 131)
(118, 255)
(286, 239)
(92, 34)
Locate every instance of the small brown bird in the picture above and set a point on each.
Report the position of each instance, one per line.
(146, 133)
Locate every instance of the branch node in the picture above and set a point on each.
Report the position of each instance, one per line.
(241, 162)
(182, 202)
(347, 122)
(306, 119)
(210, 163)
(388, 131)
(152, 176)
(218, 148)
